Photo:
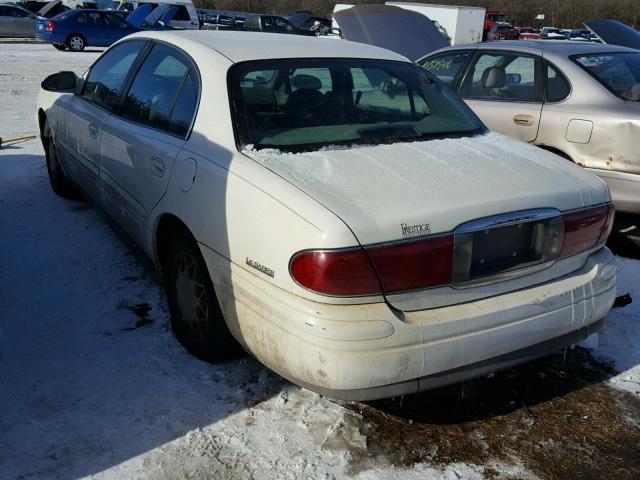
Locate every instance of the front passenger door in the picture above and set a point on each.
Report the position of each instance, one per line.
(82, 117)
(505, 90)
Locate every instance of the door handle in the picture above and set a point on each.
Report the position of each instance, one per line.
(93, 130)
(523, 120)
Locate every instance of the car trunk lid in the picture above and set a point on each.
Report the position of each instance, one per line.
(407, 191)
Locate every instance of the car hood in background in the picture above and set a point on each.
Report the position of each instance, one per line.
(138, 15)
(441, 183)
(402, 31)
(614, 33)
(146, 16)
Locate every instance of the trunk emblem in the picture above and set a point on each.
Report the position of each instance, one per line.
(409, 231)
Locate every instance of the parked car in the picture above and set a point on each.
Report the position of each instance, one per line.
(16, 21)
(579, 34)
(77, 29)
(580, 100)
(308, 22)
(186, 16)
(491, 18)
(527, 33)
(44, 9)
(345, 218)
(271, 24)
(551, 33)
(221, 20)
(502, 31)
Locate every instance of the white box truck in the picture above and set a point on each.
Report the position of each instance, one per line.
(462, 24)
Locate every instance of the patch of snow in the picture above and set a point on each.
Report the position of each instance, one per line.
(619, 341)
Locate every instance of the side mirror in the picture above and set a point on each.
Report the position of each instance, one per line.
(160, 24)
(512, 79)
(64, 82)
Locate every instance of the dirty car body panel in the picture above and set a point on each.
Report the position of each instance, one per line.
(583, 102)
(365, 234)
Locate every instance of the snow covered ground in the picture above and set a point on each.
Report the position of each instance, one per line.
(89, 387)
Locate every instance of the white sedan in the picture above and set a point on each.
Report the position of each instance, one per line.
(331, 207)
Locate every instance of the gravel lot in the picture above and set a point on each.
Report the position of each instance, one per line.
(93, 384)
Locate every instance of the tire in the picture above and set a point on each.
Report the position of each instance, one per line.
(59, 46)
(76, 42)
(60, 184)
(196, 317)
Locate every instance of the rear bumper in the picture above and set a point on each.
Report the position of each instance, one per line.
(624, 187)
(363, 352)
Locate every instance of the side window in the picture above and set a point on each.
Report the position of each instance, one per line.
(15, 12)
(557, 86)
(282, 25)
(182, 14)
(185, 107)
(89, 18)
(446, 66)
(505, 77)
(113, 20)
(153, 92)
(104, 83)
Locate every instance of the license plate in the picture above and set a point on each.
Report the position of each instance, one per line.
(496, 250)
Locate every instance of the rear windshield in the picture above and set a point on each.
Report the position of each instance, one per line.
(297, 105)
(619, 72)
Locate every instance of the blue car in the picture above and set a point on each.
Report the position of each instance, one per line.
(77, 29)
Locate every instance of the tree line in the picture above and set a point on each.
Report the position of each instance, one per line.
(558, 13)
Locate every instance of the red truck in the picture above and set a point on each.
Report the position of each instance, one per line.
(492, 17)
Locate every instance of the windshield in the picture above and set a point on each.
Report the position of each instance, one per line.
(619, 72)
(296, 105)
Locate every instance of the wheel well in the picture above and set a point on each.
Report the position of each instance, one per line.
(168, 227)
(560, 153)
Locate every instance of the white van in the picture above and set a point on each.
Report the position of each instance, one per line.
(186, 18)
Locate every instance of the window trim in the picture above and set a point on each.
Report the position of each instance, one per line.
(547, 63)
(537, 75)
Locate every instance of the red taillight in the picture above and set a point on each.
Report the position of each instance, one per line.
(335, 272)
(50, 26)
(586, 229)
(413, 265)
(399, 267)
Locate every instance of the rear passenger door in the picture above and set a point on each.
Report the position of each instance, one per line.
(141, 141)
(505, 90)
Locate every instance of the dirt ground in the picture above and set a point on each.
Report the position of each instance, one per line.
(553, 416)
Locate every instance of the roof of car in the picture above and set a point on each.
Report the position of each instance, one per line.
(557, 47)
(240, 46)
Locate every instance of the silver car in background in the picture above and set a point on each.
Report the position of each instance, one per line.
(16, 21)
(577, 99)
